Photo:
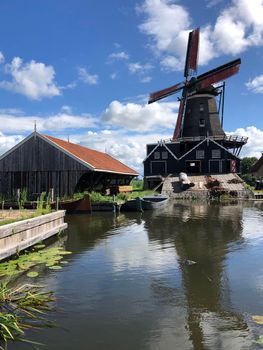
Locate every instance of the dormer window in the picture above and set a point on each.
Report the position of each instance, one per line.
(201, 107)
(201, 123)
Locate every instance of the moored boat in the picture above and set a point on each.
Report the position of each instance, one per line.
(145, 203)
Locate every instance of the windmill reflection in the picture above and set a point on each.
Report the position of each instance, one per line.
(205, 284)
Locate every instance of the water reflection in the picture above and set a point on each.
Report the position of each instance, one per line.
(128, 285)
(203, 235)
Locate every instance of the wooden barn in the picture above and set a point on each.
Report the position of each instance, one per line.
(199, 144)
(40, 163)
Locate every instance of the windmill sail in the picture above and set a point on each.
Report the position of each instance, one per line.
(192, 52)
(158, 95)
(218, 74)
(179, 120)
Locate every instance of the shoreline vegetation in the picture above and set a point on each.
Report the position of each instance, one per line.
(10, 216)
(25, 306)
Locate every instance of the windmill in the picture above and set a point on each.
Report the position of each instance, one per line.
(198, 112)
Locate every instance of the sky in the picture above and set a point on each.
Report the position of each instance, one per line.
(83, 70)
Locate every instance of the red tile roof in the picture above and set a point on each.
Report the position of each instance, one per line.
(99, 161)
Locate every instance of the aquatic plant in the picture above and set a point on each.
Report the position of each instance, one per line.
(22, 308)
(26, 262)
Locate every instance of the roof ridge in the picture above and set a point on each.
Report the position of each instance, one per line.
(72, 143)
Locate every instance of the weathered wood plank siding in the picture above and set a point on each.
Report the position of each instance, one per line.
(23, 234)
(39, 166)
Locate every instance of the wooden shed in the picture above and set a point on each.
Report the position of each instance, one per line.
(40, 163)
(257, 168)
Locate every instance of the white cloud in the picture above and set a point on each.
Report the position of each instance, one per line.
(66, 109)
(137, 67)
(141, 118)
(15, 111)
(86, 77)
(114, 76)
(229, 33)
(11, 123)
(118, 56)
(2, 58)
(146, 79)
(71, 85)
(256, 84)
(238, 26)
(141, 70)
(34, 80)
(8, 141)
(212, 3)
(254, 146)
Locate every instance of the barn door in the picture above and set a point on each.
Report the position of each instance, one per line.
(215, 166)
(193, 166)
(158, 167)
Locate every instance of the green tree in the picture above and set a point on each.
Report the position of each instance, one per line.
(246, 164)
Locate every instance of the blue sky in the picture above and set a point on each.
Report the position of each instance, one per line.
(85, 68)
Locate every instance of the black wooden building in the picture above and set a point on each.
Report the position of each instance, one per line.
(40, 163)
(206, 156)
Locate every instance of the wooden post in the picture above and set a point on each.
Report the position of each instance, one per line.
(57, 203)
(139, 204)
(52, 194)
(18, 193)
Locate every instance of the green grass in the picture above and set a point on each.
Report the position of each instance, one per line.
(137, 184)
(119, 198)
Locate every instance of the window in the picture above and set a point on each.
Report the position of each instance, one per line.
(192, 164)
(201, 123)
(165, 155)
(216, 153)
(200, 154)
(157, 155)
(201, 107)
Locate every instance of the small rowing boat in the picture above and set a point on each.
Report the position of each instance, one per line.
(145, 203)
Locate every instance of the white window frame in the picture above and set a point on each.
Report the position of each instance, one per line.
(157, 155)
(200, 154)
(216, 153)
(164, 154)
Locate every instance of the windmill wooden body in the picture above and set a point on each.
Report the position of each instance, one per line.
(199, 144)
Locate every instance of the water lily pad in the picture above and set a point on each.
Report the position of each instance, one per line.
(260, 340)
(48, 256)
(55, 267)
(32, 274)
(39, 246)
(258, 319)
(64, 252)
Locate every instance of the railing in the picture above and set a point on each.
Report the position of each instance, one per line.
(227, 138)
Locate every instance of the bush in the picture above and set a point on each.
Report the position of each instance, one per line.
(137, 184)
(249, 179)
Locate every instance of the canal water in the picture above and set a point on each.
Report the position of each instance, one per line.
(130, 283)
